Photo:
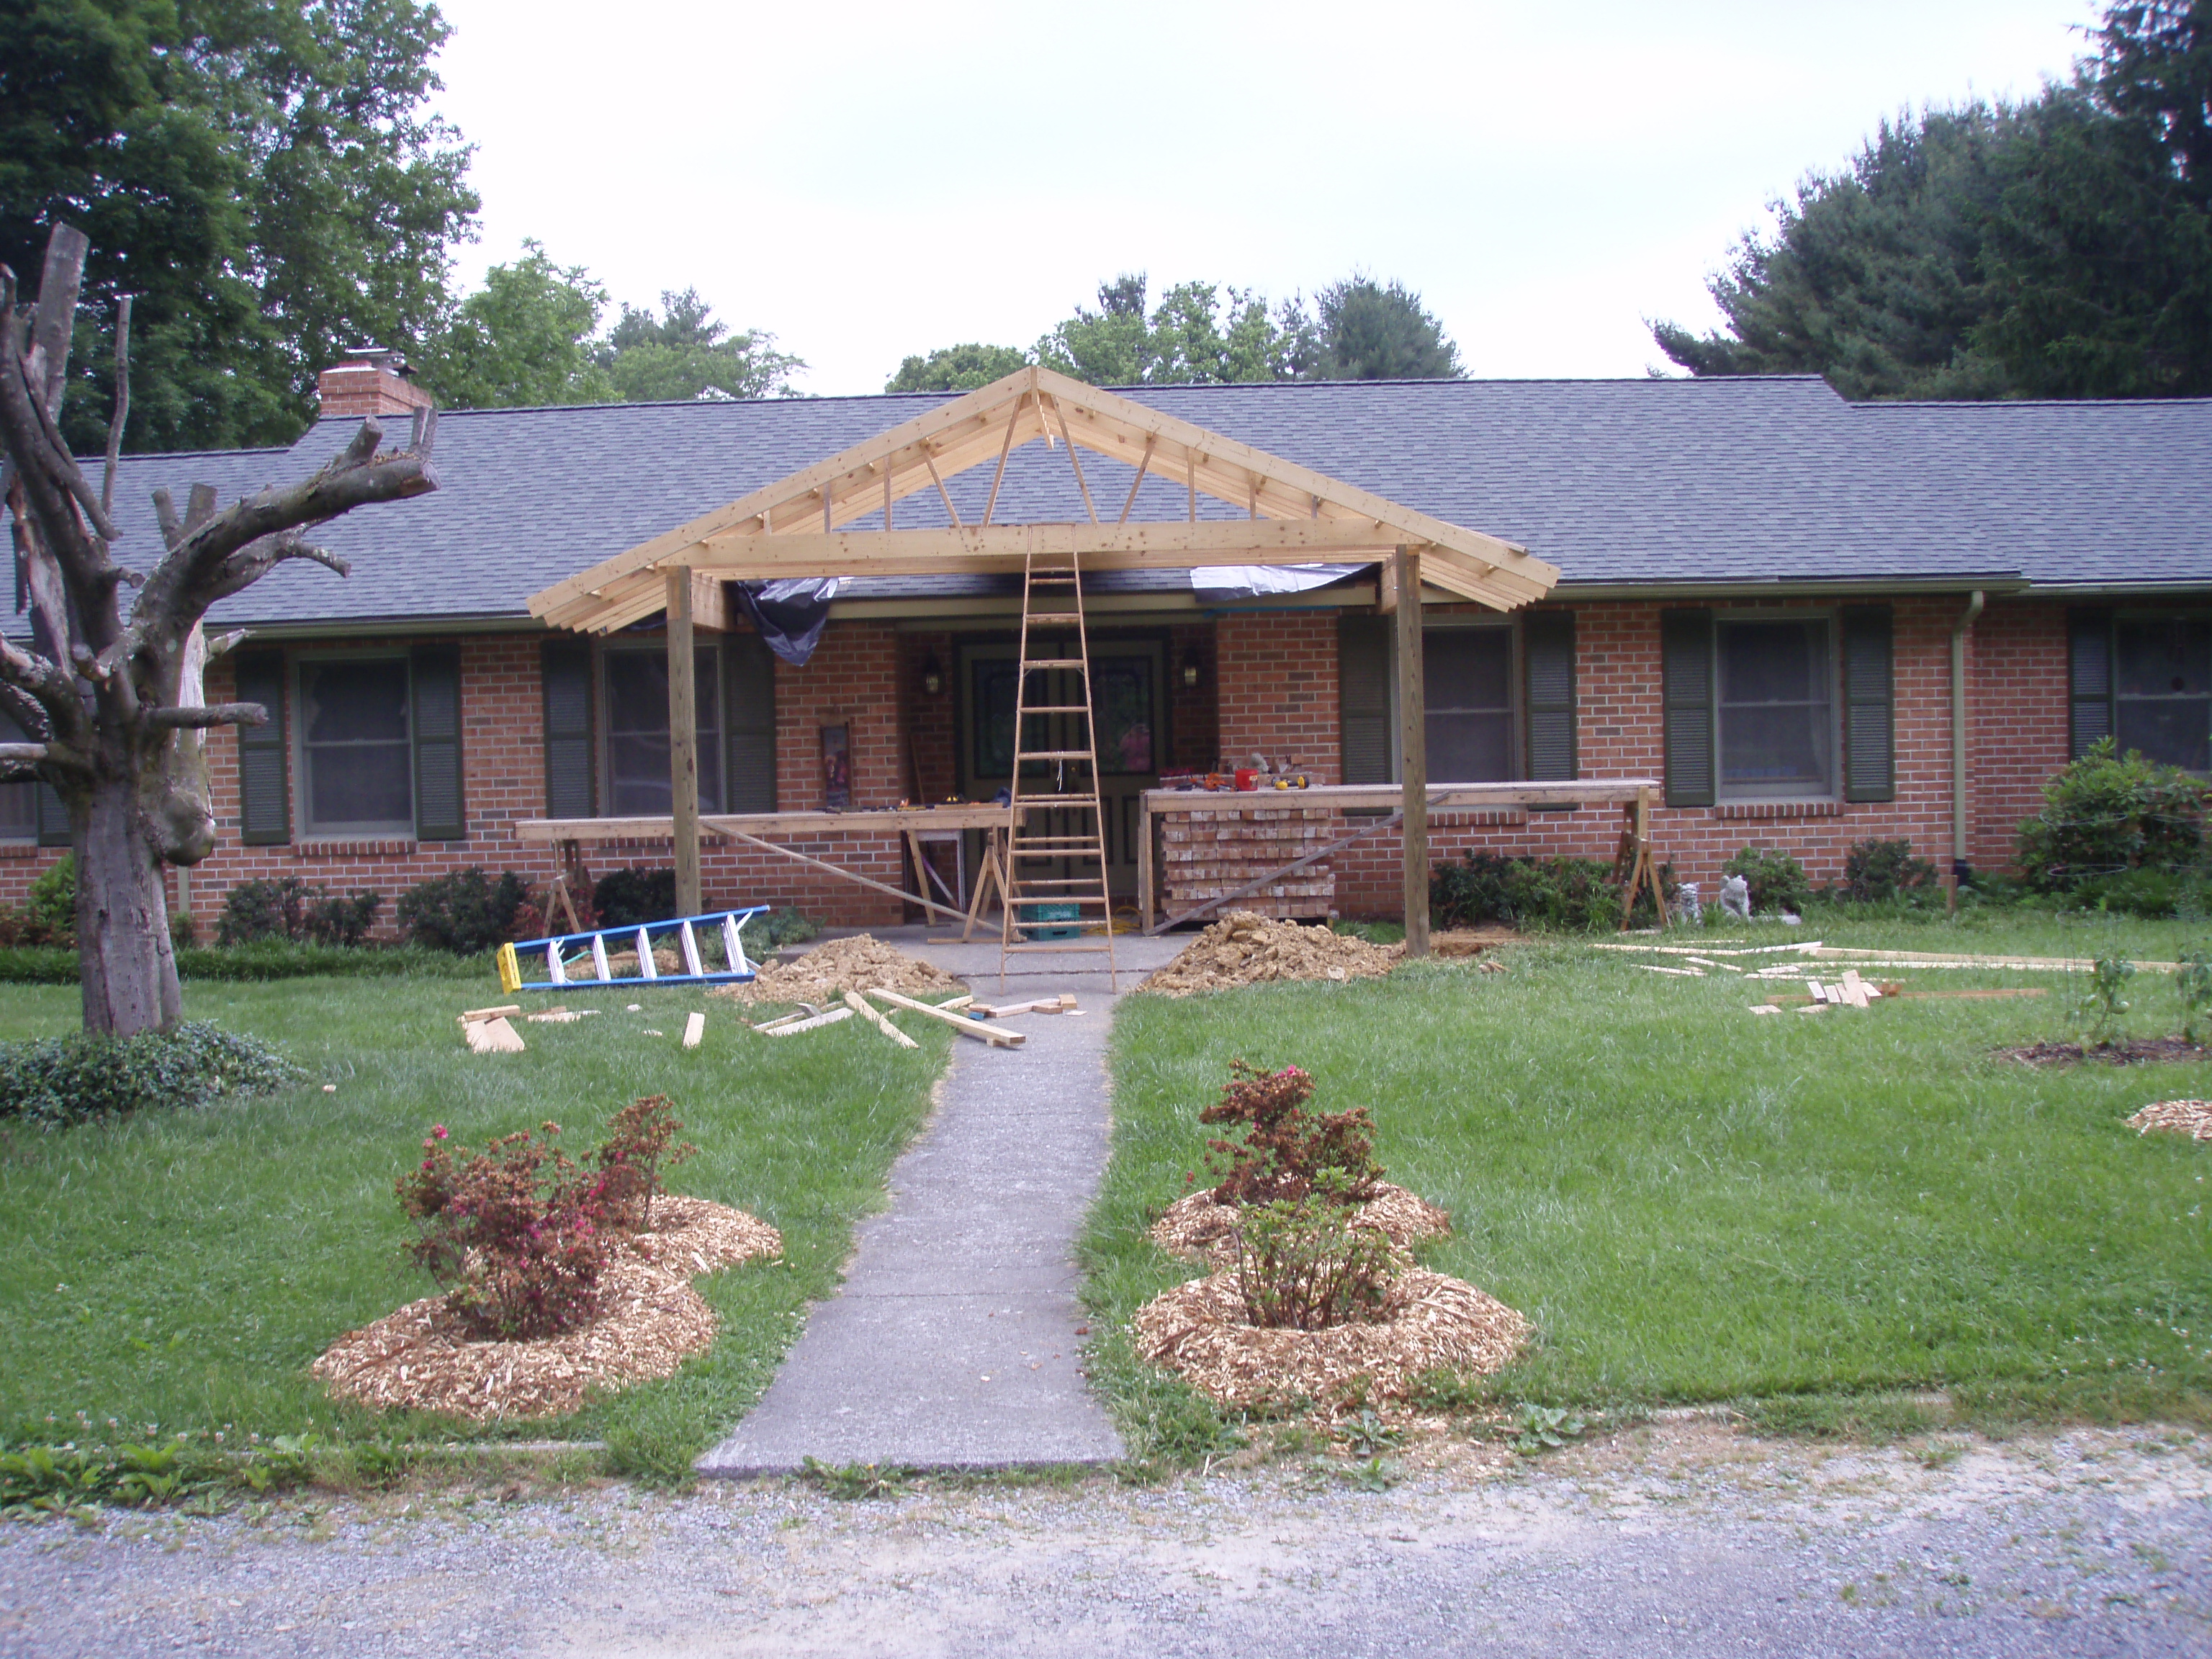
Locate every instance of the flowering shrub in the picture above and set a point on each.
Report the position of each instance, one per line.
(516, 1231)
(1301, 1264)
(1285, 1148)
(640, 1142)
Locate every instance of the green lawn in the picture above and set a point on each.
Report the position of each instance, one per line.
(1695, 1204)
(183, 1269)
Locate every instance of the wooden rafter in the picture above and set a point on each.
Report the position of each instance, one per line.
(792, 527)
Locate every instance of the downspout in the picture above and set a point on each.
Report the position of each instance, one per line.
(1958, 743)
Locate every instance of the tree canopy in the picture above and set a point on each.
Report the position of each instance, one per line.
(261, 175)
(1211, 334)
(2061, 247)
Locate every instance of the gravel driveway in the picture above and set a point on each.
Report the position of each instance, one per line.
(1685, 1539)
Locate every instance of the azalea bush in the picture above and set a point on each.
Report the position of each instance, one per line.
(1285, 1149)
(640, 1143)
(1303, 1265)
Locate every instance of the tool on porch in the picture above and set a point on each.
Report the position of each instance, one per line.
(566, 953)
(1056, 861)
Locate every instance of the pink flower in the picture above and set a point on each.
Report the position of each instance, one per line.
(437, 1131)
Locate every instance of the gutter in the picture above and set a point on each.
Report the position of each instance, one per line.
(1958, 741)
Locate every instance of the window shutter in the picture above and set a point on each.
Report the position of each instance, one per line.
(1686, 650)
(1362, 671)
(564, 677)
(435, 672)
(53, 818)
(1548, 652)
(264, 817)
(1869, 705)
(749, 718)
(2088, 680)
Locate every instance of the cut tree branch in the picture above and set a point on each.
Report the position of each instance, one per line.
(122, 404)
(220, 713)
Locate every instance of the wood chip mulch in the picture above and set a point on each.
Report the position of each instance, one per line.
(2135, 1053)
(1244, 949)
(2192, 1118)
(824, 973)
(1428, 1323)
(1198, 1228)
(423, 1358)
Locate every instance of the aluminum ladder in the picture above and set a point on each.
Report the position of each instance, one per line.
(589, 950)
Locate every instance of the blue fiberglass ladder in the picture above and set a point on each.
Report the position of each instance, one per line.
(565, 952)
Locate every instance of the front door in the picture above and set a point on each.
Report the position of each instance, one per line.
(1125, 695)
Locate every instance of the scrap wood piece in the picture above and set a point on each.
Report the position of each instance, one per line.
(859, 1005)
(791, 1028)
(491, 1036)
(1765, 1008)
(1654, 967)
(1882, 957)
(972, 1027)
(490, 1013)
(1801, 946)
(1060, 1004)
(805, 1011)
(695, 1027)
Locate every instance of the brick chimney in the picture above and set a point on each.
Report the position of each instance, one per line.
(371, 380)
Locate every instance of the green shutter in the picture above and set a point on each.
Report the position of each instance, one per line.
(564, 676)
(749, 722)
(1362, 678)
(435, 672)
(2088, 680)
(1548, 654)
(1869, 705)
(53, 818)
(1686, 651)
(264, 817)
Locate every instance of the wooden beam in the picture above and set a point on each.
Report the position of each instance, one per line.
(683, 743)
(710, 602)
(1413, 741)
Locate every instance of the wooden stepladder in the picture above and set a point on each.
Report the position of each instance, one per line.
(1055, 851)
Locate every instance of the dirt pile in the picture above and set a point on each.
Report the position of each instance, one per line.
(1244, 949)
(1427, 1323)
(2192, 1118)
(1200, 1228)
(423, 1358)
(842, 964)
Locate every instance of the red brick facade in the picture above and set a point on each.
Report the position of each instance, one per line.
(1266, 682)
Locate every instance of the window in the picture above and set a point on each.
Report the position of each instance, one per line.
(1467, 692)
(1775, 706)
(356, 746)
(636, 729)
(2162, 689)
(19, 802)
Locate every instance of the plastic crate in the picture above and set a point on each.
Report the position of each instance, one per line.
(1040, 921)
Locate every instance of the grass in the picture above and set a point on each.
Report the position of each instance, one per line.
(183, 1269)
(1817, 1218)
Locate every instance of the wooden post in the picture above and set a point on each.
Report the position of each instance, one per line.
(1413, 746)
(683, 743)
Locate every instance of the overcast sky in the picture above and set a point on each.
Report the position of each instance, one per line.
(869, 181)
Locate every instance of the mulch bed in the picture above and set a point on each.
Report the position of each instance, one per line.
(423, 1358)
(1200, 1228)
(2192, 1118)
(2136, 1052)
(1428, 1323)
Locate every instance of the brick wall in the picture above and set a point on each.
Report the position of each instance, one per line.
(2016, 722)
(1277, 687)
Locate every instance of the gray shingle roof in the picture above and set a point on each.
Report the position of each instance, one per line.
(1616, 481)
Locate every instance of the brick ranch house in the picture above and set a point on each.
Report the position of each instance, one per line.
(1816, 622)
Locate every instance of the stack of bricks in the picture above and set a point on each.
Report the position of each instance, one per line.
(1208, 855)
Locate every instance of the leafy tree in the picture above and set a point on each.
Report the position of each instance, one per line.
(1371, 331)
(686, 354)
(524, 338)
(259, 174)
(956, 368)
(2062, 247)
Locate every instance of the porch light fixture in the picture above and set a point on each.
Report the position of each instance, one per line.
(1190, 670)
(932, 676)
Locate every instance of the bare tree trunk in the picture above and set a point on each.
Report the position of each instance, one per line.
(124, 958)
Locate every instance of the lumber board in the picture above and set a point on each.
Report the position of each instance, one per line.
(1443, 797)
(695, 1027)
(812, 1022)
(860, 1005)
(861, 820)
(970, 1028)
(500, 1012)
(492, 1036)
(1060, 1004)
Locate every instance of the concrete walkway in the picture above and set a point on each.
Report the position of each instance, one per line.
(953, 1343)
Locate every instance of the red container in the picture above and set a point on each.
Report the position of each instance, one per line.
(1246, 778)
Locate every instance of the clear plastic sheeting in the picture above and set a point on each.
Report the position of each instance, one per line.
(1255, 581)
(789, 614)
